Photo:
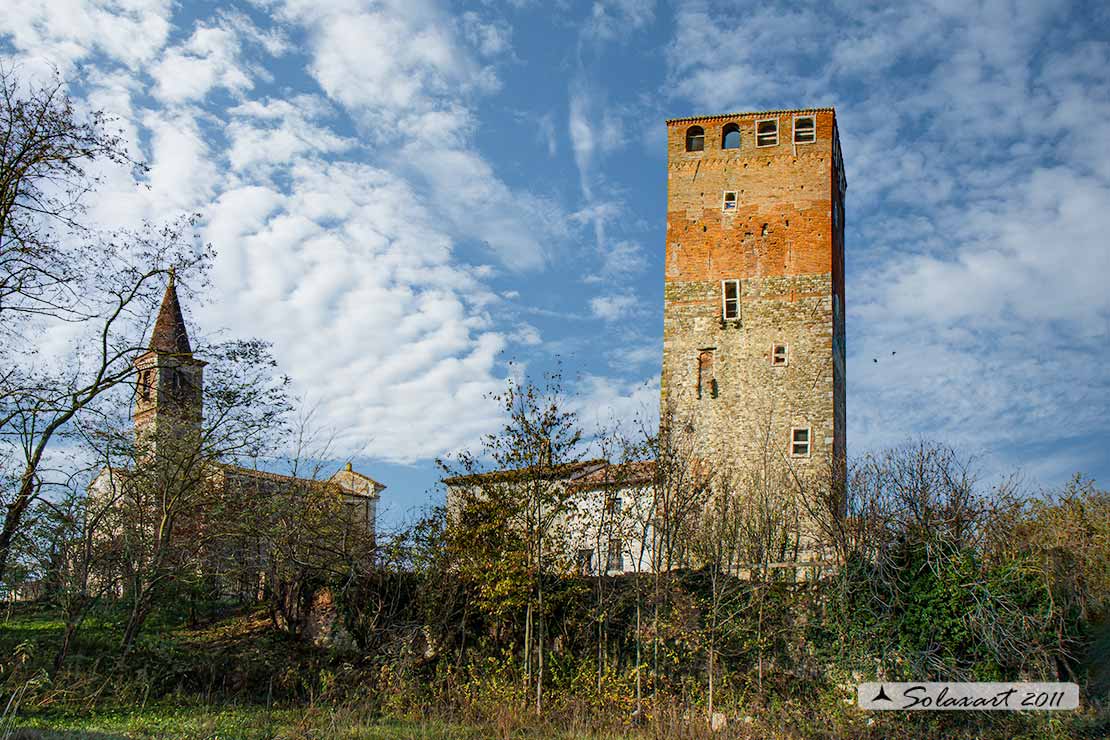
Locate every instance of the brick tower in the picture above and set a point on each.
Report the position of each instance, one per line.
(170, 383)
(753, 332)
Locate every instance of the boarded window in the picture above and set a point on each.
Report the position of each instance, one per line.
(730, 299)
(767, 132)
(707, 383)
(695, 139)
(730, 136)
(805, 130)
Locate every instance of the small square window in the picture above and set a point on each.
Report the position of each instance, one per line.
(767, 132)
(730, 299)
(799, 442)
(778, 354)
(729, 202)
(805, 130)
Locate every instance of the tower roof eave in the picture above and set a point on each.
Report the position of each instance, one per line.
(748, 114)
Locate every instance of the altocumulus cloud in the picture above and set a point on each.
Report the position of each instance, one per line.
(325, 247)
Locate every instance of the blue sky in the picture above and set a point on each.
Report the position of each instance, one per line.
(406, 194)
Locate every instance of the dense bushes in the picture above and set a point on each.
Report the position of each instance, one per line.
(941, 581)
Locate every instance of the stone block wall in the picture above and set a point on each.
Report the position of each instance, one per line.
(783, 242)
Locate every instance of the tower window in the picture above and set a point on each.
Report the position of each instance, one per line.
(730, 299)
(805, 130)
(778, 354)
(729, 203)
(767, 132)
(730, 136)
(707, 383)
(799, 442)
(144, 385)
(695, 139)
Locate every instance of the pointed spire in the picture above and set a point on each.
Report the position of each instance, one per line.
(169, 333)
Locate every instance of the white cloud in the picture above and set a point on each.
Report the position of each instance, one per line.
(479, 205)
(612, 307)
(62, 34)
(527, 335)
(356, 287)
(623, 259)
(270, 133)
(489, 38)
(405, 76)
(628, 406)
(207, 60)
(389, 62)
(545, 134)
(612, 19)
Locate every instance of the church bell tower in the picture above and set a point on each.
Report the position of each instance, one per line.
(170, 383)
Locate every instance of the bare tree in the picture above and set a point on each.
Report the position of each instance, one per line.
(60, 279)
(46, 152)
(174, 504)
(39, 400)
(663, 515)
(76, 561)
(718, 547)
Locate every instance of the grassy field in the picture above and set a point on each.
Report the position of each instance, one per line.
(230, 722)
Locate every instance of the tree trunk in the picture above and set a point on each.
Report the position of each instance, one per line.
(67, 640)
(135, 622)
(14, 516)
(528, 645)
(539, 662)
(639, 661)
(711, 680)
(600, 630)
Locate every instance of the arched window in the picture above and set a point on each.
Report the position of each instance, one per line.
(144, 385)
(730, 136)
(695, 139)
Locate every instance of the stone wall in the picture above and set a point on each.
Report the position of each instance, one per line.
(784, 244)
